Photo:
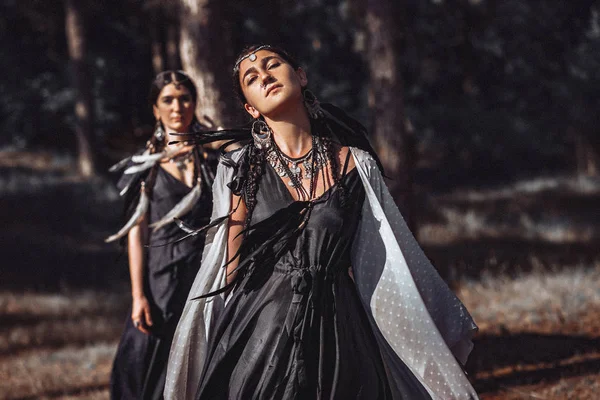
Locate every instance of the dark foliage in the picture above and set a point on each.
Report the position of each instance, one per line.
(494, 90)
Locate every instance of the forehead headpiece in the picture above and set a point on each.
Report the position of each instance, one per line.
(170, 76)
(251, 56)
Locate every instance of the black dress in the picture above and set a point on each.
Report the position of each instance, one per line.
(297, 329)
(140, 363)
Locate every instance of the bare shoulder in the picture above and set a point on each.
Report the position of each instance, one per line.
(343, 154)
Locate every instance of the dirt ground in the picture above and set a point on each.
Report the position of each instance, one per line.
(60, 346)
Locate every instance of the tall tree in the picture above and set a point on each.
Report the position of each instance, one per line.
(76, 42)
(164, 35)
(392, 139)
(206, 54)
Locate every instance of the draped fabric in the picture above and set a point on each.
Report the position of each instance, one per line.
(413, 318)
(416, 316)
(139, 367)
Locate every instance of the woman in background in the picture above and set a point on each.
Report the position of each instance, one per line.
(164, 182)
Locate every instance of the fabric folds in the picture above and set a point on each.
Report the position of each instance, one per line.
(420, 326)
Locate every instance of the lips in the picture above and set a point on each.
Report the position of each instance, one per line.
(272, 87)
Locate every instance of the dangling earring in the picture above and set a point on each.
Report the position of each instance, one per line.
(159, 132)
(312, 105)
(261, 134)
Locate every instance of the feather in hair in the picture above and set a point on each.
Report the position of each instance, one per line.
(191, 231)
(266, 241)
(139, 168)
(139, 213)
(142, 158)
(121, 164)
(125, 189)
(166, 153)
(182, 208)
(185, 227)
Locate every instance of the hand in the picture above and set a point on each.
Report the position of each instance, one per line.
(140, 314)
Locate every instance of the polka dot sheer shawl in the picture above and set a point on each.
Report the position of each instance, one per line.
(415, 316)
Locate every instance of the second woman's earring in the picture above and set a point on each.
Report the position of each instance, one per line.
(312, 105)
(159, 132)
(261, 133)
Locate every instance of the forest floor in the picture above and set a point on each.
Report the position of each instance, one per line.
(547, 346)
(532, 284)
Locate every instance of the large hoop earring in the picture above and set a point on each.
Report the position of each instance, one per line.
(261, 133)
(312, 104)
(159, 132)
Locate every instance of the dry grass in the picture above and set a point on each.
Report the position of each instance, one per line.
(540, 300)
(51, 373)
(540, 334)
(58, 345)
(53, 320)
(539, 338)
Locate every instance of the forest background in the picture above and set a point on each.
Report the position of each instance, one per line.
(485, 113)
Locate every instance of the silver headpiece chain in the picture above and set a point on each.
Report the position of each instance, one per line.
(251, 55)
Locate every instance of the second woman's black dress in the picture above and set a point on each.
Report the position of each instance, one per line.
(140, 363)
(297, 329)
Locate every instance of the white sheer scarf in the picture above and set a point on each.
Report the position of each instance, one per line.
(415, 316)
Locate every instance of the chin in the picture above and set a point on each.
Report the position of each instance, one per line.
(284, 103)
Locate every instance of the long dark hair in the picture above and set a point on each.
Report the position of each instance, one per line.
(154, 145)
(255, 157)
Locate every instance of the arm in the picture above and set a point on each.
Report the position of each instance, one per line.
(140, 310)
(236, 225)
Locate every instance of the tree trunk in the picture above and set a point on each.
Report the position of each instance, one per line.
(206, 54)
(391, 136)
(172, 47)
(158, 58)
(76, 42)
(588, 162)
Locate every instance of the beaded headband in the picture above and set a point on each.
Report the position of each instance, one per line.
(167, 77)
(251, 55)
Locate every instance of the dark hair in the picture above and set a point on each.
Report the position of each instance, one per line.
(251, 49)
(256, 158)
(153, 144)
(167, 77)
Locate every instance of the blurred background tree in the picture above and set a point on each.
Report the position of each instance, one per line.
(456, 93)
(493, 90)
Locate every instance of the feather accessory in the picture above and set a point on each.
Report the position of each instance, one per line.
(139, 213)
(146, 157)
(134, 169)
(121, 164)
(142, 158)
(266, 241)
(185, 227)
(182, 208)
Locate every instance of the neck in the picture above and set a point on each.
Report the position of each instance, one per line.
(292, 132)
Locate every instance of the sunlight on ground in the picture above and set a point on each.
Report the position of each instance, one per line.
(539, 338)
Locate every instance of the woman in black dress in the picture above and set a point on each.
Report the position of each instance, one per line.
(312, 287)
(160, 184)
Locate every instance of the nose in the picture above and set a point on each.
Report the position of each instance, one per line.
(177, 105)
(266, 78)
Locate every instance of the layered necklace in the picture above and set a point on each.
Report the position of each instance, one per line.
(182, 159)
(313, 161)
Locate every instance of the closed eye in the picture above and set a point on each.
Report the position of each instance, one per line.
(250, 80)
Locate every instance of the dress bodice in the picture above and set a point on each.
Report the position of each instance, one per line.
(329, 230)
